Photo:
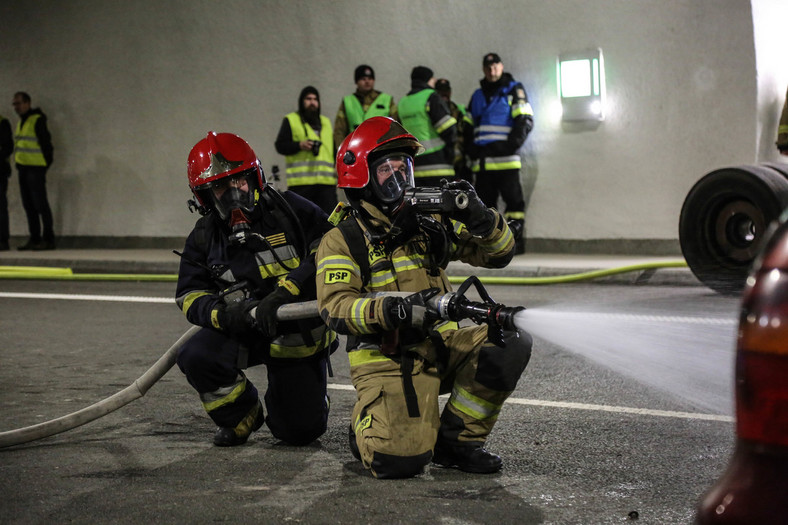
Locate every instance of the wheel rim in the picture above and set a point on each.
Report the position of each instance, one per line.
(737, 229)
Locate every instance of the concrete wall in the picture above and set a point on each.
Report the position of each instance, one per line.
(130, 87)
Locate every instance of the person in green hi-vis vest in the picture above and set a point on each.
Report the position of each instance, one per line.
(427, 117)
(306, 140)
(366, 102)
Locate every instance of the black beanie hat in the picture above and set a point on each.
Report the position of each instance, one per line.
(363, 71)
(309, 90)
(421, 73)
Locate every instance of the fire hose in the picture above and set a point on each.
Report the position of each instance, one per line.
(452, 306)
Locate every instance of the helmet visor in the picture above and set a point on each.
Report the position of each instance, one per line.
(238, 191)
(390, 176)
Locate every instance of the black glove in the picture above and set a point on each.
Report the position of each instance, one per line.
(266, 310)
(236, 320)
(410, 310)
(478, 218)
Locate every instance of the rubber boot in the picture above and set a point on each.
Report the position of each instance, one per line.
(466, 456)
(234, 436)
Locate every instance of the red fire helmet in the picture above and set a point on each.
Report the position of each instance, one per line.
(216, 157)
(372, 139)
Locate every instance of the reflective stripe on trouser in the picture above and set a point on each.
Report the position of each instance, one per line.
(210, 362)
(508, 162)
(485, 377)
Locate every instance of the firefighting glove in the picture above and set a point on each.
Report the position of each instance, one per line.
(411, 310)
(235, 319)
(478, 218)
(266, 309)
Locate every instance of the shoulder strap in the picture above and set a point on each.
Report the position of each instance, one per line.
(203, 231)
(354, 237)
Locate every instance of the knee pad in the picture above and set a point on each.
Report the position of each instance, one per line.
(500, 368)
(385, 466)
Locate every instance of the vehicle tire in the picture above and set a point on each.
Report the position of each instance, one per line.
(723, 221)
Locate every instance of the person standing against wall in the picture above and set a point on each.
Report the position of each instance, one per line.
(307, 142)
(499, 120)
(33, 155)
(6, 148)
(782, 129)
(461, 168)
(366, 102)
(426, 116)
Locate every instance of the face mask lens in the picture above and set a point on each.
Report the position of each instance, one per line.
(235, 192)
(391, 175)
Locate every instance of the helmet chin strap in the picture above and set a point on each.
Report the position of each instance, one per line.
(239, 225)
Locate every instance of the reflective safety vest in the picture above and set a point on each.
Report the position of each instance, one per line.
(355, 113)
(415, 118)
(493, 122)
(304, 168)
(27, 150)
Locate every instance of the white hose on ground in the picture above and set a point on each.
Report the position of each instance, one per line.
(135, 390)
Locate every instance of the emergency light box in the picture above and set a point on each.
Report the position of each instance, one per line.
(581, 85)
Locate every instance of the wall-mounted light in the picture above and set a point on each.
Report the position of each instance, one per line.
(581, 85)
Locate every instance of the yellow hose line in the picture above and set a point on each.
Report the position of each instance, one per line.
(65, 274)
(35, 269)
(60, 275)
(570, 278)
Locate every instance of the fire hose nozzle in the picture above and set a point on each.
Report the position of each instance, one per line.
(454, 307)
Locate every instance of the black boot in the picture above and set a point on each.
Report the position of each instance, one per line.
(517, 227)
(468, 457)
(234, 436)
(29, 245)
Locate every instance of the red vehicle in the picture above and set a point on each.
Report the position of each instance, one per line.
(754, 489)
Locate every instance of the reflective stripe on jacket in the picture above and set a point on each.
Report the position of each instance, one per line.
(305, 168)
(27, 150)
(355, 113)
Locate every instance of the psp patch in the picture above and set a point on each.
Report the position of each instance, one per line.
(337, 276)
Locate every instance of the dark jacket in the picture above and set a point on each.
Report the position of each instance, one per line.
(207, 246)
(6, 147)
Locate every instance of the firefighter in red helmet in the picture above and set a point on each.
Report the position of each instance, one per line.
(251, 252)
(399, 366)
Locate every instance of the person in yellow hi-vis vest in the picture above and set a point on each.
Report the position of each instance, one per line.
(307, 142)
(366, 102)
(33, 156)
(782, 130)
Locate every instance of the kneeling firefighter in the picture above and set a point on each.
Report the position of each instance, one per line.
(251, 252)
(401, 360)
